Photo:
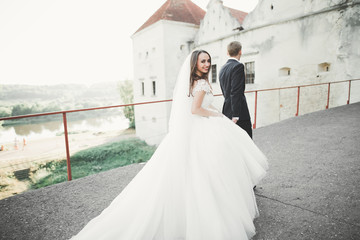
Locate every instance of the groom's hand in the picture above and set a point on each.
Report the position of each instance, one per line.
(235, 119)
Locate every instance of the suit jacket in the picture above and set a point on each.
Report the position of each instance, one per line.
(232, 82)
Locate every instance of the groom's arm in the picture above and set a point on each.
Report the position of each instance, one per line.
(237, 89)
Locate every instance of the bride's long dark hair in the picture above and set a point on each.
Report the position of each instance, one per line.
(193, 63)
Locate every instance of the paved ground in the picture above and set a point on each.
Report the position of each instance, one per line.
(312, 190)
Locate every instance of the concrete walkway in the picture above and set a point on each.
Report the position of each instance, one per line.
(312, 190)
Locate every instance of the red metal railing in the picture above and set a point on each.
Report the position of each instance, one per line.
(169, 100)
(65, 123)
(298, 95)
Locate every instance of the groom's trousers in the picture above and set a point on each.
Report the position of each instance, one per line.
(246, 125)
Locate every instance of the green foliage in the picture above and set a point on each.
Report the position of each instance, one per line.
(4, 112)
(18, 100)
(24, 109)
(95, 160)
(20, 109)
(26, 99)
(127, 96)
(50, 108)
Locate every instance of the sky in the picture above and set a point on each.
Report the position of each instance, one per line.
(48, 42)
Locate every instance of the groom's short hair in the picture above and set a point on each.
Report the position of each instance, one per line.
(234, 48)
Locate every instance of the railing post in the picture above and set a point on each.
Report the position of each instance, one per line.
(348, 101)
(298, 102)
(255, 111)
(67, 148)
(328, 97)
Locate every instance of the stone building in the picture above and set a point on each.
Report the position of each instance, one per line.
(284, 44)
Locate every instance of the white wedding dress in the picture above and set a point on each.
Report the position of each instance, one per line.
(196, 186)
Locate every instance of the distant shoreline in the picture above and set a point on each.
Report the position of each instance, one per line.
(50, 118)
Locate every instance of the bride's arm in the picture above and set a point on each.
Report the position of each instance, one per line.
(198, 110)
(214, 108)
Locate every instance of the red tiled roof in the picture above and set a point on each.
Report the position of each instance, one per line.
(176, 10)
(239, 15)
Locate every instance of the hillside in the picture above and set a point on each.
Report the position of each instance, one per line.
(97, 94)
(29, 99)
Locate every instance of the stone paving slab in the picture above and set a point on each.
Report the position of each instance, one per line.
(311, 191)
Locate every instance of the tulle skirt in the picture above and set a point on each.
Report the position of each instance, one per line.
(198, 187)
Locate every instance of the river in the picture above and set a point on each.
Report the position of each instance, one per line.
(11, 134)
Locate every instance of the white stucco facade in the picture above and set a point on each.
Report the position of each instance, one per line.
(158, 51)
(297, 43)
(289, 43)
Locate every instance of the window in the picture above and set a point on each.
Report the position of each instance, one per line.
(142, 88)
(154, 87)
(249, 72)
(324, 67)
(213, 73)
(285, 71)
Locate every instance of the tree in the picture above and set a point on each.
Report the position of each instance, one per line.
(127, 96)
(4, 112)
(20, 109)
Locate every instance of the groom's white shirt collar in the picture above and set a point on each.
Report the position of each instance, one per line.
(233, 58)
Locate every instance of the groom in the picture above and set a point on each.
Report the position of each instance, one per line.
(232, 82)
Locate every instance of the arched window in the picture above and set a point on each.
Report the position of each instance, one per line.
(324, 67)
(285, 71)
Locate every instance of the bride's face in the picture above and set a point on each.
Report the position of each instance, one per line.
(203, 64)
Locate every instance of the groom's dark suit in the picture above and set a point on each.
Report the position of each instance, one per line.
(232, 82)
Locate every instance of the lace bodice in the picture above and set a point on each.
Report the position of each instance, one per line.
(203, 85)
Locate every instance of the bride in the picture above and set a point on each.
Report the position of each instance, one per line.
(198, 185)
